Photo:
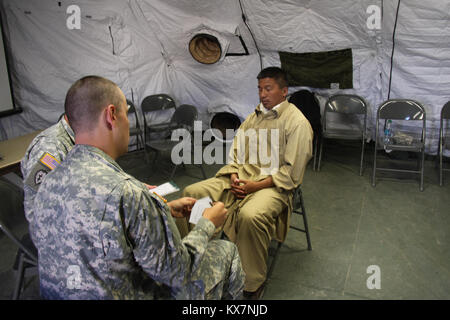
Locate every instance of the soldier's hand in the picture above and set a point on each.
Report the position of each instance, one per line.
(182, 207)
(216, 214)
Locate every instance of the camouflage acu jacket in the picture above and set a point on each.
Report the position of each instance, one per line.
(101, 234)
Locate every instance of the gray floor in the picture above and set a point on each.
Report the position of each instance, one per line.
(353, 225)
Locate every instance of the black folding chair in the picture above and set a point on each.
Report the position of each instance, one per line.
(26, 257)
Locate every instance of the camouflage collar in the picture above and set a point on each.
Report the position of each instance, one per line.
(68, 129)
(91, 149)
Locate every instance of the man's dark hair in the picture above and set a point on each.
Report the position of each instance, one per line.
(278, 74)
(86, 99)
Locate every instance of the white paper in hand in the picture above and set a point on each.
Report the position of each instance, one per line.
(198, 208)
(165, 189)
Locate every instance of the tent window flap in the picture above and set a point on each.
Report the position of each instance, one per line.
(327, 69)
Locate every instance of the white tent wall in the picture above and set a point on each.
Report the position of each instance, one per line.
(142, 45)
(327, 25)
(421, 64)
(231, 81)
(47, 57)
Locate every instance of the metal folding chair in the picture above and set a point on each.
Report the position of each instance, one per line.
(183, 117)
(299, 208)
(26, 257)
(157, 105)
(444, 141)
(401, 110)
(348, 106)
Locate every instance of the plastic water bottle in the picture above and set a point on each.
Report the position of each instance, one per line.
(387, 135)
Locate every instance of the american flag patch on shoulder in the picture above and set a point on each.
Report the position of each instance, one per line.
(49, 161)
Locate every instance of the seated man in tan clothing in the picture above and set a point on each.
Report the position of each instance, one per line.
(266, 163)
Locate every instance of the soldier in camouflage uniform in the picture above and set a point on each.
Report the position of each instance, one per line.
(46, 151)
(101, 234)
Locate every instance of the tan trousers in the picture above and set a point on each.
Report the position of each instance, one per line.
(250, 223)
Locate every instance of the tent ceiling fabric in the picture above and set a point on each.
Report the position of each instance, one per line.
(143, 45)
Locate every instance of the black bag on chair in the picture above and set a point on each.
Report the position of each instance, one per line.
(305, 101)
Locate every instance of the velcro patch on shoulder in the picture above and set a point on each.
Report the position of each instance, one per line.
(49, 161)
(36, 176)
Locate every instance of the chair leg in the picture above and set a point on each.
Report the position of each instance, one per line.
(144, 146)
(316, 139)
(173, 172)
(156, 158)
(362, 158)
(308, 239)
(441, 182)
(203, 172)
(305, 221)
(320, 154)
(19, 278)
(374, 163)
(422, 169)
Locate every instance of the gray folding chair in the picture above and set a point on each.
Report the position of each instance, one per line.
(401, 110)
(183, 118)
(349, 107)
(444, 141)
(26, 257)
(155, 105)
(298, 208)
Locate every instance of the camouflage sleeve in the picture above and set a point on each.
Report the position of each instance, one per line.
(156, 242)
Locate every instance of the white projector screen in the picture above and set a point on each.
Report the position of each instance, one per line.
(6, 99)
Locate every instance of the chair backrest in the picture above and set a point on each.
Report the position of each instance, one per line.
(157, 102)
(445, 112)
(185, 114)
(445, 115)
(346, 103)
(401, 109)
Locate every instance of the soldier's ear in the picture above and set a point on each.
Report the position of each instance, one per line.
(110, 116)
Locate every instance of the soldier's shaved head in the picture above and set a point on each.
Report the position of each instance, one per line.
(86, 99)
